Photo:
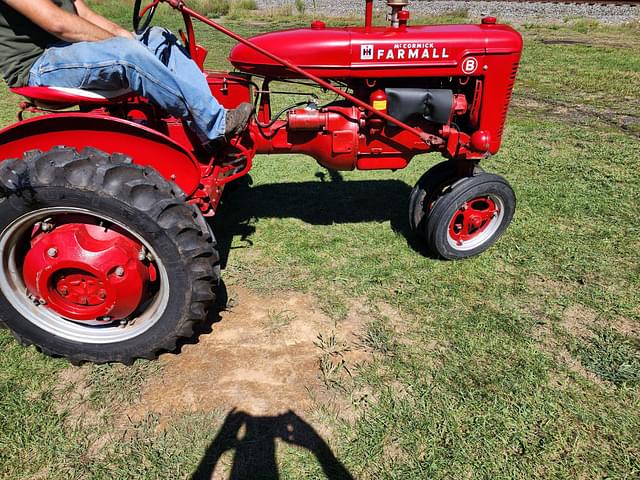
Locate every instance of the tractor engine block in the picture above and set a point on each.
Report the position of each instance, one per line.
(450, 83)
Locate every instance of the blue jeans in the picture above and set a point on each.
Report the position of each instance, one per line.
(155, 66)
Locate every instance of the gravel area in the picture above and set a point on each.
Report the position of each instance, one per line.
(512, 12)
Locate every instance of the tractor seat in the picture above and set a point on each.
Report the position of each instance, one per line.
(63, 97)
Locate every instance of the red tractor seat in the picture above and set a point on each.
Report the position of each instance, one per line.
(61, 97)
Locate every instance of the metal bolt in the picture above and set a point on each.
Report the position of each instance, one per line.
(64, 291)
(104, 319)
(119, 272)
(52, 252)
(142, 256)
(42, 302)
(102, 294)
(46, 227)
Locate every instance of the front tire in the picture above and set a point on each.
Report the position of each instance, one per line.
(164, 262)
(470, 217)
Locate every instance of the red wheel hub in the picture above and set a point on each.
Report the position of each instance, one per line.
(86, 272)
(472, 218)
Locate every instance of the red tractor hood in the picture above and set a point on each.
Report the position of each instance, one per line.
(378, 52)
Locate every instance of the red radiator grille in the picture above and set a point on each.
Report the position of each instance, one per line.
(512, 80)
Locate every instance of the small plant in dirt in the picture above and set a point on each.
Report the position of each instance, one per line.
(333, 364)
(280, 319)
(379, 337)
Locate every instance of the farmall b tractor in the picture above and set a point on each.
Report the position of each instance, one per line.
(106, 254)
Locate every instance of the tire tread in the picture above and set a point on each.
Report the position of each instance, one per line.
(147, 192)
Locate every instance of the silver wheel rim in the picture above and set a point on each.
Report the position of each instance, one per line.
(485, 235)
(14, 290)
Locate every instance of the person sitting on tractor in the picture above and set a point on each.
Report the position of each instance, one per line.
(63, 43)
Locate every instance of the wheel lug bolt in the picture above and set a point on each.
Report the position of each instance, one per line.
(119, 272)
(64, 291)
(52, 252)
(102, 294)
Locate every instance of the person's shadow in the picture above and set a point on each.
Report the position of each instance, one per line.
(253, 439)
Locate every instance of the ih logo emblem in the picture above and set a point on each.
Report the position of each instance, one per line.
(469, 65)
(366, 52)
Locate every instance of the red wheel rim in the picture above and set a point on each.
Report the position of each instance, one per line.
(86, 272)
(82, 276)
(472, 219)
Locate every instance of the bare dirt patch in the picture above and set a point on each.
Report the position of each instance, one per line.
(588, 41)
(578, 321)
(564, 41)
(263, 357)
(627, 120)
(548, 286)
(627, 326)
(73, 389)
(574, 365)
(550, 344)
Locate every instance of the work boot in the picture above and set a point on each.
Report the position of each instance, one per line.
(236, 120)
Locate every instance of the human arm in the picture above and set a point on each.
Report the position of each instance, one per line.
(85, 12)
(58, 22)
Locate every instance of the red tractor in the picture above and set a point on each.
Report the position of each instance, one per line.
(106, 254)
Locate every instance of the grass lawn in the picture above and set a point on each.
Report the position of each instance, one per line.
(521, 363)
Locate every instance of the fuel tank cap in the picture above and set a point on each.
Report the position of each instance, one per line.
(489, 20)
(318, 25)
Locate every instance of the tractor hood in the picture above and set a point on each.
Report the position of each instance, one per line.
(378, 52)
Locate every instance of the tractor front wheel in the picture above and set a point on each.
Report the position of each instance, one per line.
(470, 216)
(101, 260)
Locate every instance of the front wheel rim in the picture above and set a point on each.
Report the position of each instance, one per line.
(13, 286)
(475, 222)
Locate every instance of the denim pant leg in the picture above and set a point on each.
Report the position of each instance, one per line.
(166, 47)
(124, 63)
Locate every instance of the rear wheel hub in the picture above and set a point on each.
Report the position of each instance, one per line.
(86, 272)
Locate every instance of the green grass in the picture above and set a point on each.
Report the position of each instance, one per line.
(485, 378)
(611, 356)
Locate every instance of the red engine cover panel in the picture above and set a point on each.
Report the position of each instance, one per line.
(380, 52)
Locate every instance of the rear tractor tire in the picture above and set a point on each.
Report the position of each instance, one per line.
(101, 260)
(460, 217)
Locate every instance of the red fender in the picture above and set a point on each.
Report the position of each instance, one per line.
(109, 134)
